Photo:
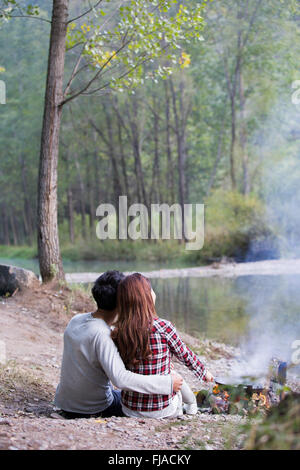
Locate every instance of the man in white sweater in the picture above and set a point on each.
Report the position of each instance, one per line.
(91, 360)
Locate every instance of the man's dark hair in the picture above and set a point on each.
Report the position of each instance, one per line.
(105, 289)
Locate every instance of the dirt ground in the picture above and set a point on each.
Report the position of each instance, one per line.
(32, 325)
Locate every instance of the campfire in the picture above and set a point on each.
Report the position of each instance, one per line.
(242, 395)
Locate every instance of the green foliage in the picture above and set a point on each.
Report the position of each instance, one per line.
(232, 222)
(98, 166)
(23, 252)
(138, 41)
(8, 8)
(234, 212)
(114, 250)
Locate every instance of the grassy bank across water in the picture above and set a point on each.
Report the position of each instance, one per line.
(24, 252)
(109, 250)
(235, 228)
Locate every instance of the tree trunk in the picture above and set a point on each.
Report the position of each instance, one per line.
(91, 195)
(28, 215)
(217, 161)
(117, 185)
(180, 137)
(123, 159)
(26, 225)
(48, 240)
(96, 172)
(70, 199)
(82, 196)
(13, 228)
(71, 215)
(136, 145)
(5, 226)
(155, 196)
(243, 138)
(170, 176)
(232, 146)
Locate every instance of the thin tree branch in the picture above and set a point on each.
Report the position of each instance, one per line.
(75, 45)
(80, 92)
(86, 12)
(119, 78)
(120, 118)
(218, 158)
(244, 42)
(32, 17)
(73, 73)
(99, 131)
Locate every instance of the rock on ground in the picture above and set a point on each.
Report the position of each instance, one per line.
(13, 278)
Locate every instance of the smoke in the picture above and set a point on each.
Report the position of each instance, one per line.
(280, 156)
(273, 303)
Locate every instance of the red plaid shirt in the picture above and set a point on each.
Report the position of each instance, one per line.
(164, 341)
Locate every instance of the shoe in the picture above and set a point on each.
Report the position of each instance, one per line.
(191, 409)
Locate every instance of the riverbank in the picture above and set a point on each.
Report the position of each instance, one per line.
(32, 325)
(267, 267)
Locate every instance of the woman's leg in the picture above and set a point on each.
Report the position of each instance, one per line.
(189, 399)
(179, 411)
(187, 395)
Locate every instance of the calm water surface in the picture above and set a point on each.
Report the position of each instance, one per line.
(230, 310)
(225, 309)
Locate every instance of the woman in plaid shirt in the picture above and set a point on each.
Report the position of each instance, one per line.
(146, 343)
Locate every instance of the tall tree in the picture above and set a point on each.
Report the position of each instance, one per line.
(139, 33)
(47, 225)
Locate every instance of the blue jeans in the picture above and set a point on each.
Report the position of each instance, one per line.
(115, 409)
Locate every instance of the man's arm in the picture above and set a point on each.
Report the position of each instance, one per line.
(115, 370)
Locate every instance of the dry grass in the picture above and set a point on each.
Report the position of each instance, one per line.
(22, 389)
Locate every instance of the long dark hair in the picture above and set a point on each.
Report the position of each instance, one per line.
(136, 311)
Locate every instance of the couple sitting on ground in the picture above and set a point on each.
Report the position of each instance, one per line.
(126, 343)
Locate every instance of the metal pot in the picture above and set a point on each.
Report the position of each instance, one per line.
(238, 385)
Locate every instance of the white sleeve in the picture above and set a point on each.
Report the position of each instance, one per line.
(123, 379)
